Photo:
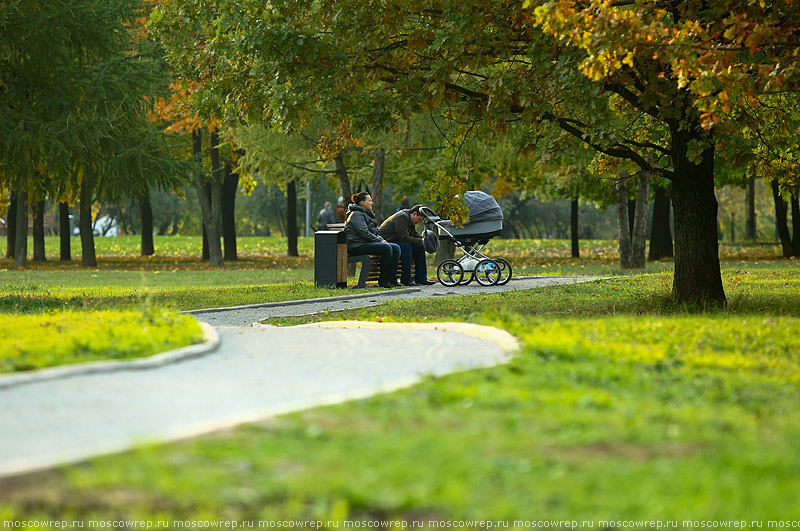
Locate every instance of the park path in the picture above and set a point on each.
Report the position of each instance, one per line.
(251, 372)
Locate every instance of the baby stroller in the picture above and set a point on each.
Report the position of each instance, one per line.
(485, 222)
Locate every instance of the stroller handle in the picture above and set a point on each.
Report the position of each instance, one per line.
(429, 214)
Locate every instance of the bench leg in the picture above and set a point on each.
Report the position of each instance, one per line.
(362, 276)
(365, 264)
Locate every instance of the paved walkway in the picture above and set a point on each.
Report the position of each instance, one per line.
(70, 414)
(244, 315)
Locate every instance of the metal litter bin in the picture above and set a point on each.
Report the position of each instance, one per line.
(330, 259)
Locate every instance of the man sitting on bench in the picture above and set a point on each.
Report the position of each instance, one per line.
(400, 228)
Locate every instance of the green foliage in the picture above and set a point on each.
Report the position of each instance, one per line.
(445, 191)
(78, 78)
(73, 337)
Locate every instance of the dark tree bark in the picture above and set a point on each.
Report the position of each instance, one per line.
(21, 223)
(164, 227)
(39, 254)
(344, 180)
(377, 184)
(697, 277)
(291, 218)
(211, 209)
(446, 251)
(229, 188)
(631, 214)
(11, 226)
(750, 210)
(780, 220)
(625, 249)
(795, 225)
(215, 257)
(88, 255)
(146, 210)
(207, 191)
(639, 237)
(573, 223)
(64, 232)
(661, 232)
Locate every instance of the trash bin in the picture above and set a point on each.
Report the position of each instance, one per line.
(330, 259)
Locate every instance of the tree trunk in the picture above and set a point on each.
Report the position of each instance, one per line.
(446, 251)
(215, 257)
(795, 225)
(148, 249)
(377, 184)
(88, 256)
(39, 254)
(164, 227)
(625, 249)
(750, 210)
(697, 277)
(64, 232)
(229, 212)
(21, 223)
(639, 240)
(11, 226)
(573, 223)
(207, 191)
(344, 180)
(631, 214)
(210, 208)
(780, 220)
(660, 233)
(203, 193)
(291, 218)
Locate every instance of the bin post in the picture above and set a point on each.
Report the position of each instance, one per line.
(330, 259)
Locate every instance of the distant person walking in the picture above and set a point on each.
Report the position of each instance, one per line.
(325, 216)
(404, 204)
(340, 213)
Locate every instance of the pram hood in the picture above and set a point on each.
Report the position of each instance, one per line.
(482, 207)
(485, 219)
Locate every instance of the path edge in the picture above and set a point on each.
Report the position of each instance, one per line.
(211, 342)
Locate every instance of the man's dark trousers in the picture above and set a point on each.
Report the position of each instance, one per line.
(416, 253)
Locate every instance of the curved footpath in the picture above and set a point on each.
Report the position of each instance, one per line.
(244, 372)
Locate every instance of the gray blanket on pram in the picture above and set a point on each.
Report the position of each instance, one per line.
(482, 207)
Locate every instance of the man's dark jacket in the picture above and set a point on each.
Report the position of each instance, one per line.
(398, 228)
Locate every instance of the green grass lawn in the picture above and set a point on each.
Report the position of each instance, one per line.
(176, 278)
(49, 339)
(620, 405)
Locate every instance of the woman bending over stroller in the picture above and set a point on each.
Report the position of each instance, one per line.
(361, 229)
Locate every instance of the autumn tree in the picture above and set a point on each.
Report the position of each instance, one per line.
(75, 76)
(771, 129)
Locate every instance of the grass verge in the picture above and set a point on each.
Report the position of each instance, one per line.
(60, 338)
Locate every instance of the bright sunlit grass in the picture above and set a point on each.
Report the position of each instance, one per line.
(620, 405)
(59, 338)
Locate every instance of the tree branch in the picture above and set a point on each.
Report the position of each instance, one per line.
(618, 150)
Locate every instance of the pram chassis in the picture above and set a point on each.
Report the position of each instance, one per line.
(474, 263)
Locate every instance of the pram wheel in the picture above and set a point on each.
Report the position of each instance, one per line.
(505, 271)
(450, 273)
(487, 272)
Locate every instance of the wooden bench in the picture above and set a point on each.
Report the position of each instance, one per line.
(371, 264)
